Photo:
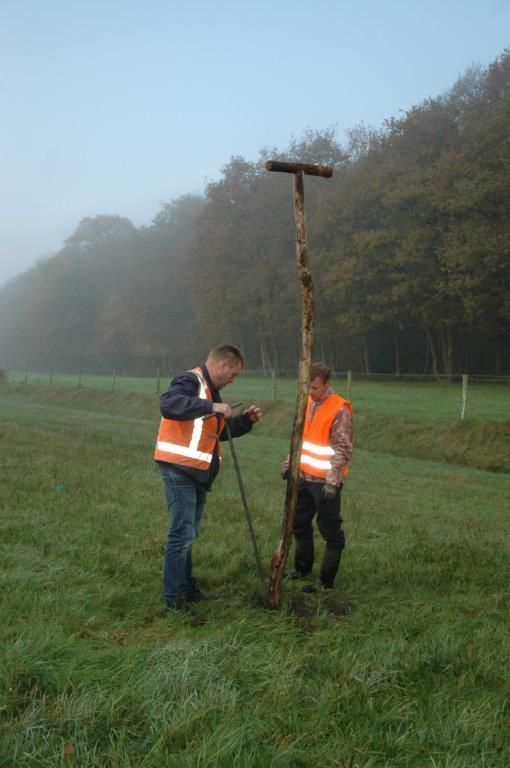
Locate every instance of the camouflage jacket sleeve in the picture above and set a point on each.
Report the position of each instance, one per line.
(341, 442)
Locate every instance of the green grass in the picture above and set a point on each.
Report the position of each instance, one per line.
(404, 431)
(431, 401)
(403, 664)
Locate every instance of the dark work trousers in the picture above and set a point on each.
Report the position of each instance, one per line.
(310, 502)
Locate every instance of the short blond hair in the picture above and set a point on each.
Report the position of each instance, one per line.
(226, 353)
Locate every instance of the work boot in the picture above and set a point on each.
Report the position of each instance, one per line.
(195, 594)
(316, 586)
(330, 564)
(294, 575)
(181, 601)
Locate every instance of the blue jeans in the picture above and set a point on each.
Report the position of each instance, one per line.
(186, 501)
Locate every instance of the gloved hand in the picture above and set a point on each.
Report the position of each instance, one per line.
(329, 492)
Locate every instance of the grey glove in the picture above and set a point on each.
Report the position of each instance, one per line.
(329, 491)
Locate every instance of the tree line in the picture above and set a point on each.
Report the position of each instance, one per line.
(409, 248)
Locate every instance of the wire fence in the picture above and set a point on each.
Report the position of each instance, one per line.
(418, 397)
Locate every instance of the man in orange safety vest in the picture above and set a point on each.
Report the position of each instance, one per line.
(324, 465)
(188, 452)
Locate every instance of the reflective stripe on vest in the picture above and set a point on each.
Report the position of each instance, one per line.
(320, 450)
(182, 450)
(313, 455)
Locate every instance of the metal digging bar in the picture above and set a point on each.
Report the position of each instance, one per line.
(246, 510)
(243, 497)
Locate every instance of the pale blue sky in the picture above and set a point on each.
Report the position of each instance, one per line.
(114, 106)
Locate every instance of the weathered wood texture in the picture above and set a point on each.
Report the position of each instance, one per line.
(310, 170)
(279, 559)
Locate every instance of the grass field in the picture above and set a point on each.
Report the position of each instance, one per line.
(403, 664)
(429, 401)
(417, 420)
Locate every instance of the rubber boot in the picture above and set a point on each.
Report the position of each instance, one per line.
(330, 565)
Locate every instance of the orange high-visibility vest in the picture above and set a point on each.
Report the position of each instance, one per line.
(316, 450)
(191, 442)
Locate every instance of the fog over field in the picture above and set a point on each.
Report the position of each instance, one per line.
(111, 109)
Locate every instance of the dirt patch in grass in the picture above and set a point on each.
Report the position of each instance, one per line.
(306, 606)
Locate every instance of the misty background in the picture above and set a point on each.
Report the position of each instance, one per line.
(137, 216)
(112, 108)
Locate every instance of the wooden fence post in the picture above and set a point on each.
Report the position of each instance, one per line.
(114, 375)
(464, 395)
(25, 381)
(349, 385)
(273, 374)
(79, 378)
(158, 378)
(51, 378)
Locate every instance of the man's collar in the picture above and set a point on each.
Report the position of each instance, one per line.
(323, 397)
(208, 379)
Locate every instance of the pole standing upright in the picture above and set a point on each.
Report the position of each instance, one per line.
(279, 559)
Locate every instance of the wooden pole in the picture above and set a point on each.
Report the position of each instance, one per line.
(51, 378)
(79, 378)
(464, 395)
(279, 559)
(26, 377)
(349, 385)
(273, 375)
(158, 378)
(114, 376)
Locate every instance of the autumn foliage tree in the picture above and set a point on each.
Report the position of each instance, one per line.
(409, 244)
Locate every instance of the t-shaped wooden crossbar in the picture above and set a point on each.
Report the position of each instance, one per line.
(279, 559)
(308, 170)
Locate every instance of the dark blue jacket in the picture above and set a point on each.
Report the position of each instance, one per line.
(181, 403)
